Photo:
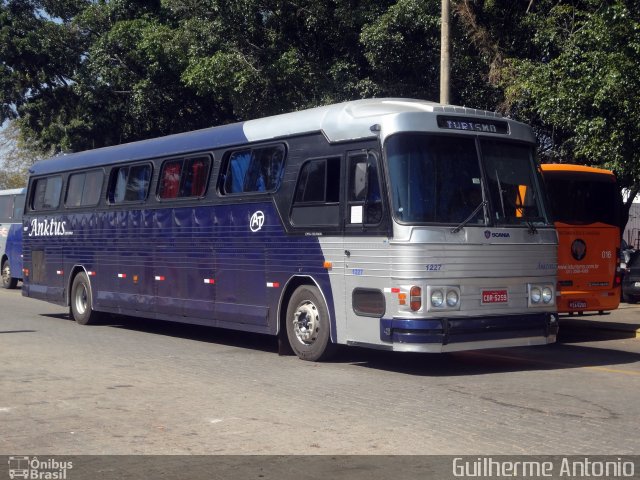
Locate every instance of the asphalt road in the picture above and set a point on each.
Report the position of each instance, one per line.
(132, 386)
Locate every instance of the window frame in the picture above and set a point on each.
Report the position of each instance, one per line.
(338, 225)
(10, 199)
(226, 165)
(183, 161)
(85, 173)
(113, 181)
(372, 158)
(34, 184)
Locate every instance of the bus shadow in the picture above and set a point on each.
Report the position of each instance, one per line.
(481, 362)
(599, 332)
(199, 333)
(556, 356)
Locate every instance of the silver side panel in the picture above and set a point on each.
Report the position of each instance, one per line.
(471, 260)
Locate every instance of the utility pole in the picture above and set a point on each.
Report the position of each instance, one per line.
(445, 52)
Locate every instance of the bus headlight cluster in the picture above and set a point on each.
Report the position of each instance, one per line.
(541, 295)
(444, 298)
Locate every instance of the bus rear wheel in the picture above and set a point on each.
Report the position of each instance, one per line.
(307, 325)
(7, 280)
(81, 305)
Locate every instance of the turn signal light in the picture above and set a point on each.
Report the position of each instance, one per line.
(415, 300)
(402, 298)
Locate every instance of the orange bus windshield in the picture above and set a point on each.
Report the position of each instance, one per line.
(582, 198)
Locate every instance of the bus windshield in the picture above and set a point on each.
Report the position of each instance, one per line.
(582, 198)
(444, 179)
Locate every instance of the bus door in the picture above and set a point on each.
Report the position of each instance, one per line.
(54, 271)
(365, 242)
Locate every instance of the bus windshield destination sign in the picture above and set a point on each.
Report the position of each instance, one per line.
(473, 124)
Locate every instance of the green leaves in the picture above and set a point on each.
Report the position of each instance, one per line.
(82, 74)
(587, 86)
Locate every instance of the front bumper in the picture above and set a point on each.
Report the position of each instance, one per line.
(471, 333)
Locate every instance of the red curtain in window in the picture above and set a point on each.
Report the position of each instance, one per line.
(171, 180)
(198, 178)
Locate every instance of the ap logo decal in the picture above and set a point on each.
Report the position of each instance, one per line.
(256, 222)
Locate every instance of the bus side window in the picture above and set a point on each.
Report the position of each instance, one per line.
(129, 184)
(18, 207)
(47, 193)
(365, 201)
(317, 197)
(184, 178)
(254, 170)
(6, 208)
(84, 189)
(170, 179)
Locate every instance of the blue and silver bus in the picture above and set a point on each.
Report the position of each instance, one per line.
(395, 224)
(11, 207)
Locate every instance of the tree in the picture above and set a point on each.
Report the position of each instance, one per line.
(17, 157)
(570, 69)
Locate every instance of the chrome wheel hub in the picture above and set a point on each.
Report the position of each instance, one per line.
(81, 300)
(306, 323)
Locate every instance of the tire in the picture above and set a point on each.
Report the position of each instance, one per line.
(308, 325)
(8, 281)
(81, 306)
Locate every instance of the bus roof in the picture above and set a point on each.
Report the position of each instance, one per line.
(570, 167)
(13, 191)
(339, 122)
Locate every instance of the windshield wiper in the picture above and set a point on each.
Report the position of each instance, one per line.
(457, 228)
(532, 228)
(501, 192)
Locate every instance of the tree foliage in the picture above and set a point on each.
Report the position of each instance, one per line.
(16, 157)
(78, 74)
(584, 89)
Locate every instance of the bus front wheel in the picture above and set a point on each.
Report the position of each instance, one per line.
(81, 307)
(7, 280)
(308, 325)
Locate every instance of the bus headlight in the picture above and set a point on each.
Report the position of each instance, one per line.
(452, 298)
(536, 295)
(541, 295)
(437, 298)
(443, 297)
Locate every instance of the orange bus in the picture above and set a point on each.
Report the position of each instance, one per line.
(586, 207)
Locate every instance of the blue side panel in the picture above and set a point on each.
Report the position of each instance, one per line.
(14, 250)
(200, 264)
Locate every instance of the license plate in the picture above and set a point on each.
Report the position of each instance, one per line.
(495, 296)
(637, 284)
(577, 304)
